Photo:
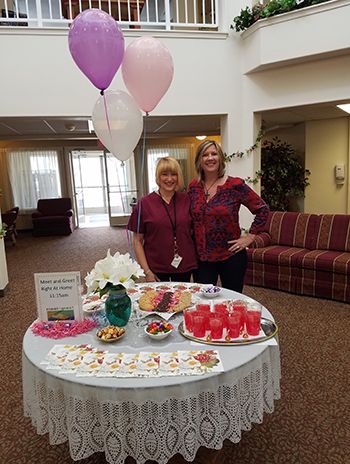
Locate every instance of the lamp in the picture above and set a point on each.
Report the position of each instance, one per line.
(345, 107)
(90, 126)
(201, 137)
(70, 127)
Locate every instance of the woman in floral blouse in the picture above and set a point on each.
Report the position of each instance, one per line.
(215, 202)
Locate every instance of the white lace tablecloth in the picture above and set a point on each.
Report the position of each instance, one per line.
(149, 418)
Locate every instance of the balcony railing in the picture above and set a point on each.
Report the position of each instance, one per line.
(133, 14)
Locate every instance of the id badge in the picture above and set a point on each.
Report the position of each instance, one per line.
(176, 261)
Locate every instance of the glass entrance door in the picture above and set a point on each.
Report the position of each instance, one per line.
(122, 188)
(105, 188)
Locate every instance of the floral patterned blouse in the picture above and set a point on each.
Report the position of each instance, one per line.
(217, 221)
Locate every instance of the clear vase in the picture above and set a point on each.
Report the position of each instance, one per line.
(118, 307)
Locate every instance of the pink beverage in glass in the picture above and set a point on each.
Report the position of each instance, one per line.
(241, 307)
(203, 307)
(253, 322)
(220, 308)
(206, 315)
(207, 320)
(188, 314)
(233, 324)
(223, 317)
(198, 326)
(216, 328)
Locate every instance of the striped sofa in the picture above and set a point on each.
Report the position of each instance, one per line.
(301, 253)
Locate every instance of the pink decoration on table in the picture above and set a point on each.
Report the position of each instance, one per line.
(61, 329)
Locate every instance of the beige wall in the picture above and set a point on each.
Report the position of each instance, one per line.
(327, 144)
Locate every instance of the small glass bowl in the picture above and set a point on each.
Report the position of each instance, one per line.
(211, 292)
(158, 330)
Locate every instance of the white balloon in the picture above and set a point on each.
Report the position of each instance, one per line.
(117, 122)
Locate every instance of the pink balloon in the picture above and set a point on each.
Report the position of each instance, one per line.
(147, 71)
(96, 44)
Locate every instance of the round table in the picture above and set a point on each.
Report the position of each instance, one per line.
(150, 418)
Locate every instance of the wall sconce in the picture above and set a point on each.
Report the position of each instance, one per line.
(201, 137)
(339, 173)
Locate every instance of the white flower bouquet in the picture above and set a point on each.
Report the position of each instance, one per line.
(113, 272)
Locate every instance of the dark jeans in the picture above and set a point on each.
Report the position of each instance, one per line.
(175, 276)
(231, 272)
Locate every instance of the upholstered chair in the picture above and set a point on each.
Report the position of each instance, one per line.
(54, 216)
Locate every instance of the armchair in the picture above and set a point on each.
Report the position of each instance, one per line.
(9, 218)
(54, 216)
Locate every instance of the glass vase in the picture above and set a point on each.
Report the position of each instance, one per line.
(118, 307)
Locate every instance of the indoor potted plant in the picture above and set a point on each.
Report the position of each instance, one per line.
(283, 175)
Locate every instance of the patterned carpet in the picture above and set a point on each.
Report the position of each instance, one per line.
(311, 422)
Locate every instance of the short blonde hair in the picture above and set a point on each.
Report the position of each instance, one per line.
(199, 153)
(169, 164)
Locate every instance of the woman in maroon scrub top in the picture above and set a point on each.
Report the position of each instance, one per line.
(161, 226)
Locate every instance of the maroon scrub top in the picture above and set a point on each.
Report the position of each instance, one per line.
(157, 232)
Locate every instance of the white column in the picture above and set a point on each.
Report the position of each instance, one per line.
(4, 280)
(238, 133)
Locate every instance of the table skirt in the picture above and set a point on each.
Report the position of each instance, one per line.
(94, 419)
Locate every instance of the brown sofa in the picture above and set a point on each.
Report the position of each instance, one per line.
(54, 216)
(301, 253)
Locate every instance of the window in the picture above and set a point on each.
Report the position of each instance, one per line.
(33, 175)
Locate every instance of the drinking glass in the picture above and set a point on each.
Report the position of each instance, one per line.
(220, 308)
(203, 307)
(253, 318)
(216, 328)
(188, 314)
(241, 307)
(233, 324)
(198, 326)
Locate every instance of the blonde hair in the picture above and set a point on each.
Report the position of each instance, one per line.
(169, 164)
(199, 153)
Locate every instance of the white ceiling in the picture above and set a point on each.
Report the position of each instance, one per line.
(41, 128)
(296, 115)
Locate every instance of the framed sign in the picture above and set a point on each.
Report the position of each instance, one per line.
(58, 296)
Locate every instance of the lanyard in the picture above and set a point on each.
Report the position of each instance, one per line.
(172, 222)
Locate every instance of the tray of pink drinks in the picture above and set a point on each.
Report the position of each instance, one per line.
(229, 322)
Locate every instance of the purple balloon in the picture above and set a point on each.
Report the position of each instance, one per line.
(96, 44)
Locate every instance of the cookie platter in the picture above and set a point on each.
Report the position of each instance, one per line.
(163, 299)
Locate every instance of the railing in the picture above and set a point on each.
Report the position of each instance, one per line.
(133, 14)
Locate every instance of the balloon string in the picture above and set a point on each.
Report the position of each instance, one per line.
(124, 180)
(119, 185)
(142, 167)
(107, 118)
(128, 236)
(132, 252)
(110, 136)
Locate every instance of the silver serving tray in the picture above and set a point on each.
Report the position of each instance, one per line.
(269, 328)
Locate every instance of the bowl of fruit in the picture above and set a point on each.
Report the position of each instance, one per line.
(158, 330)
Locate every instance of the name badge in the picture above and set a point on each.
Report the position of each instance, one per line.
(176, 261)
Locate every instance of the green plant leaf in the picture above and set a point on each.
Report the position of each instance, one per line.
(283, 175)
(248, 16)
